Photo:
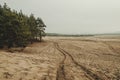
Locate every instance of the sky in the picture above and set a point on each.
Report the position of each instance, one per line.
(73, 16)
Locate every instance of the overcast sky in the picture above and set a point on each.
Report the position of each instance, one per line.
(73, 16)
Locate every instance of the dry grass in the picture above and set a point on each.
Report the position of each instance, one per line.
(88, 58)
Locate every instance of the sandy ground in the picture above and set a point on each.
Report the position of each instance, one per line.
(64, 58)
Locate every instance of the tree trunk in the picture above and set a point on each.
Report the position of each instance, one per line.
(40, 36)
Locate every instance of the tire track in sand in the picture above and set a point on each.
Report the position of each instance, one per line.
(90, 74)
(60, 70)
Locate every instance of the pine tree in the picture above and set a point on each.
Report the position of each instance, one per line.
(18, 29)
(40, 28)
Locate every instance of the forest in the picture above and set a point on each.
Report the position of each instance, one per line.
(18, 29)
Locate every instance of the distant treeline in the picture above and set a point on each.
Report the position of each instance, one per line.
(68, 35)
(18, 29)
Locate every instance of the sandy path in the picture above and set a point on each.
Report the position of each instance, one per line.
(100, 59)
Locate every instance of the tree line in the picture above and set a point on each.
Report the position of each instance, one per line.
(18, 29)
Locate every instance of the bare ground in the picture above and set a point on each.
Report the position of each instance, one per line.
(61, 58)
